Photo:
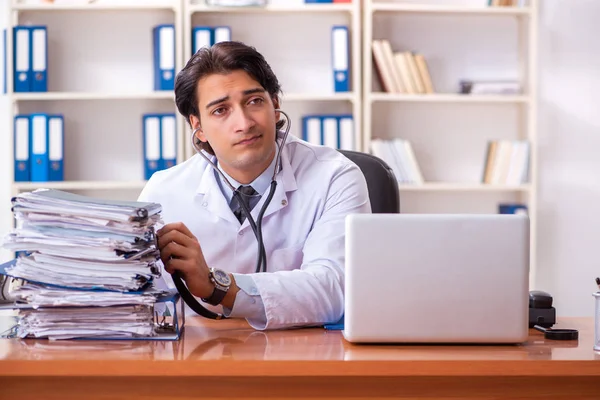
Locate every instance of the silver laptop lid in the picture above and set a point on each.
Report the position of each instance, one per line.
(437, 278)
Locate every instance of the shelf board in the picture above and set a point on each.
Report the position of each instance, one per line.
(94, 7)
(462, 187)
(80, 185)
(349, 96)
(314, 8)
(447, 98)
(38, 96)
(434, 9)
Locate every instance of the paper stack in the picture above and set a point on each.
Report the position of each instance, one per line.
(88, 266)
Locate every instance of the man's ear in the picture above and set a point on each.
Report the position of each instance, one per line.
(195, 123)
(275, 100)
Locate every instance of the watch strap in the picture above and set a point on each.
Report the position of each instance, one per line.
(216, 297)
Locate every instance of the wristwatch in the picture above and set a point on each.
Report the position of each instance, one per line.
(222, 282)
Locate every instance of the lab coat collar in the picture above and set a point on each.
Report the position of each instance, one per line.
(216, 203)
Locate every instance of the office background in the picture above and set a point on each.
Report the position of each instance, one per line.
(108, 52)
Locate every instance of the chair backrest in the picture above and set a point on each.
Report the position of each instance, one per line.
(381, 181)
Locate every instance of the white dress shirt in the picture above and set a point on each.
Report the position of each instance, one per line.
(303, 232)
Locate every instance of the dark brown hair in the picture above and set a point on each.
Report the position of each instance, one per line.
(221, 58)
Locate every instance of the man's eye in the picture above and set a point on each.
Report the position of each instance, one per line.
(257, 100)
(219, 111)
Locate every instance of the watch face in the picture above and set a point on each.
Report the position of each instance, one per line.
(221, 277)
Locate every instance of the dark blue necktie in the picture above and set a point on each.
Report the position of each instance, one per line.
(249, 197)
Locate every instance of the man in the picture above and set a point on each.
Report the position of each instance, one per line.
(229, 95)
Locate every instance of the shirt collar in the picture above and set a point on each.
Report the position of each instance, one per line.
(260, 184)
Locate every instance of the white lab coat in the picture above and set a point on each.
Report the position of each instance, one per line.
(303, 229)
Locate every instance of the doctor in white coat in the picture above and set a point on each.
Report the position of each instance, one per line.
(230, 96)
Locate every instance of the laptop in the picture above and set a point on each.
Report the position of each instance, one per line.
(437, 278)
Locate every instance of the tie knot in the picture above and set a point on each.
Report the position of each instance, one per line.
(247, 190)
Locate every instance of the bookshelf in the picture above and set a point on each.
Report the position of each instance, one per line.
(448, 130)
(101, 81)
(295, 39)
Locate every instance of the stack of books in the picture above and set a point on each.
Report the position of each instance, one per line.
(87, 269)
(401, 72)
(399, 155)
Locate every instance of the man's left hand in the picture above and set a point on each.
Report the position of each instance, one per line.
(180, 251)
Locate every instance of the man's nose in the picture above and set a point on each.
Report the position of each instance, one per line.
(243, 121)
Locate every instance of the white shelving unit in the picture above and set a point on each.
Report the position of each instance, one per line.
(460, 39)
(101, 81)
(295, 39)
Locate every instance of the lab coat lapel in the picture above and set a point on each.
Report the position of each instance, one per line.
(286, 182)
(213, 199)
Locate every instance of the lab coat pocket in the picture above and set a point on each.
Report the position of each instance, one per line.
(286, 259)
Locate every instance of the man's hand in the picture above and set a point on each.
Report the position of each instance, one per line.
(180, 251)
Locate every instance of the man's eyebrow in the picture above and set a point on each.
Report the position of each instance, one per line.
(245, 93)
(252, 91)
(217, 101)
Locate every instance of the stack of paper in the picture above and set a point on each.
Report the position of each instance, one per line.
(88, 265)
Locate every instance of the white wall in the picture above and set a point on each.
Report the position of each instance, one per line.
(569, 122)
(569, 191)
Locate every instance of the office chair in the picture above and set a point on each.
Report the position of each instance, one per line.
(381, 182)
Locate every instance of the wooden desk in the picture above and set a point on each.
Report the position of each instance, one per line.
(218, 359)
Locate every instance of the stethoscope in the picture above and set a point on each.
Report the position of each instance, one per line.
(261, 261)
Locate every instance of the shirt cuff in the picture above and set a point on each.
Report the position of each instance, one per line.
(248, 303)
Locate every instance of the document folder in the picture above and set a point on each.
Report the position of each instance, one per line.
(56, 147)
(21, 59)
(21, 149)
(39, 59)
(341, 58)
(39, 148)
(168, 311)
(164, 57)
(201, 37)
(168, 139)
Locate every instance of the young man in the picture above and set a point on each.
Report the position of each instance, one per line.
(230, 97)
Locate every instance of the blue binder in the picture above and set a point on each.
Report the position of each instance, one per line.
(330, 131)
(21, 59)
(168, 141)
(4, 63)
(346, 132)
(340, 50)
(221, 34)
(21, 148)
(164, 57)
(201, 37)
(38, 125)
(56, 147)
(39, 58)
(312, 131)
(152, 144)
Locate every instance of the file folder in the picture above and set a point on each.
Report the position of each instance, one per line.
(168, 139)
(312, 130)
(56, 147)
(21, 59)
(39, 59)
(4, 53)
(39, 148)
(169, 311)
(201, 37)
(341, 59)
(164, 57)
(151, 144)
(21, 149)
(346, 132)
(330, 131)
(221, 34)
